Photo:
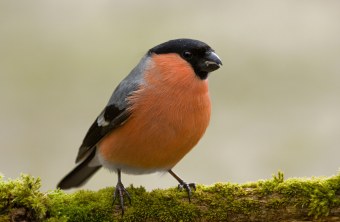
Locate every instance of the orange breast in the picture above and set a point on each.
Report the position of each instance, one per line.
(170, 113)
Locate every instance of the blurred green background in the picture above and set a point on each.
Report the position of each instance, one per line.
(275, 101)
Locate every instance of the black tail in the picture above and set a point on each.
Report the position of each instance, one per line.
(79, 175)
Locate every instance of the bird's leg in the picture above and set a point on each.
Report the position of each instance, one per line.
(120, 191)
(182, 184)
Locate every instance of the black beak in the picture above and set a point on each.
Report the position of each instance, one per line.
(211, 62)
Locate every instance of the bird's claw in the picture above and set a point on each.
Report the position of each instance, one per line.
(187, 187)
(120, 191)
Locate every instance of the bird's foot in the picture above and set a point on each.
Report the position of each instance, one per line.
(187, 187)
(183, 185)
(119, 192)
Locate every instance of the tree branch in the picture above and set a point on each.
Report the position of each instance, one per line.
(276, 199)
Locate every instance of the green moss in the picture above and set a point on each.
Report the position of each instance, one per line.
(21, 198)
(165, 205)
(319, 194)
(322, 199)
(266, 187)
(22, 193)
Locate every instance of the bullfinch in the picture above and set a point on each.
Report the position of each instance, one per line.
(154, 117)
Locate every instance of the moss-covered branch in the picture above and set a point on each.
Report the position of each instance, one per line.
(266, 200)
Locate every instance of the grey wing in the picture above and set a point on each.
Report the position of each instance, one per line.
(116, 112)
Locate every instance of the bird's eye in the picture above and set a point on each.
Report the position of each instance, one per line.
(187, 55)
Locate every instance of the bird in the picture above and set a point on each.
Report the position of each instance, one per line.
(154, 117)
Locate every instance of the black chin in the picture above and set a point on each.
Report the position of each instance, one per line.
(202, 75)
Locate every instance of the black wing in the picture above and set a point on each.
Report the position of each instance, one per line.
(111, 118)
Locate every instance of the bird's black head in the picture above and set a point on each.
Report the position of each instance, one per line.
(202, 58)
